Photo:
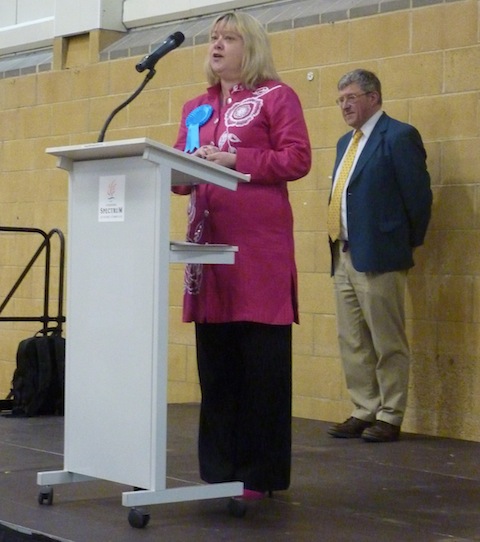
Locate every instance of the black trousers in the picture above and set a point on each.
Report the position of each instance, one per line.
(245, 431)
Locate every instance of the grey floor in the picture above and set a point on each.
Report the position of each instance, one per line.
(420, 489)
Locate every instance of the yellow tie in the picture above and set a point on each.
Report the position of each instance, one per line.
(334, 207)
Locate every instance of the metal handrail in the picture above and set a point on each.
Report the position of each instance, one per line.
(45, 319)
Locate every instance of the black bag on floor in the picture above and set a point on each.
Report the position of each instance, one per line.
(39, 379)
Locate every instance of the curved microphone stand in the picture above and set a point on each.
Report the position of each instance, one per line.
(149, 76)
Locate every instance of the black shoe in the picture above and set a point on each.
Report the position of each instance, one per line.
(351, 428)
(381, 432)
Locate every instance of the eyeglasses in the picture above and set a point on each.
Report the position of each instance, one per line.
(350, 99)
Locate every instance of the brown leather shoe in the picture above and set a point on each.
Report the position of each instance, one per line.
(351, 428)
(381, 432)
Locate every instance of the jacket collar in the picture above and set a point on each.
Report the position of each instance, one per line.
(373, 142)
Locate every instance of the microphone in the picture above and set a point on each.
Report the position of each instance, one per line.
(171, 43)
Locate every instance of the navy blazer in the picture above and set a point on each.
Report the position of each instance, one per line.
(388, 197)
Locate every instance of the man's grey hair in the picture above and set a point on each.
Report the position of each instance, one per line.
(365, 79)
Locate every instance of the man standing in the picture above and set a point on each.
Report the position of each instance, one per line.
(378, 213)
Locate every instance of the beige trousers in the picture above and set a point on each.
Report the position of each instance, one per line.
(372, 339)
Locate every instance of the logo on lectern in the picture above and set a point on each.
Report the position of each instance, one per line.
(111, 198)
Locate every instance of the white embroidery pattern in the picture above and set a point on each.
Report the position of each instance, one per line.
(193, 277)
(241, 114)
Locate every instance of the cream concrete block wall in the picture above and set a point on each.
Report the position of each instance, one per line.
(427, 59)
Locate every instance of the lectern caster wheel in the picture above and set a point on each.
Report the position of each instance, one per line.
(237, 508)
(46, 495)
(138, 518)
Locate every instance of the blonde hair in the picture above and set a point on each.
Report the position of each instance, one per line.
(257, 65)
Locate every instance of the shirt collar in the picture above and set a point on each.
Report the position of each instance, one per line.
(368, 127)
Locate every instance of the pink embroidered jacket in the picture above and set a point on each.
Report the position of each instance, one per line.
(267, 131)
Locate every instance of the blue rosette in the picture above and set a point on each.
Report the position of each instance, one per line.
(196, 118)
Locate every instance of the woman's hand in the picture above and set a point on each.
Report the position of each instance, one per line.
(206, 150)
(213, 154)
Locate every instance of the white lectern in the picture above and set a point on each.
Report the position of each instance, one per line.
(117, 305)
